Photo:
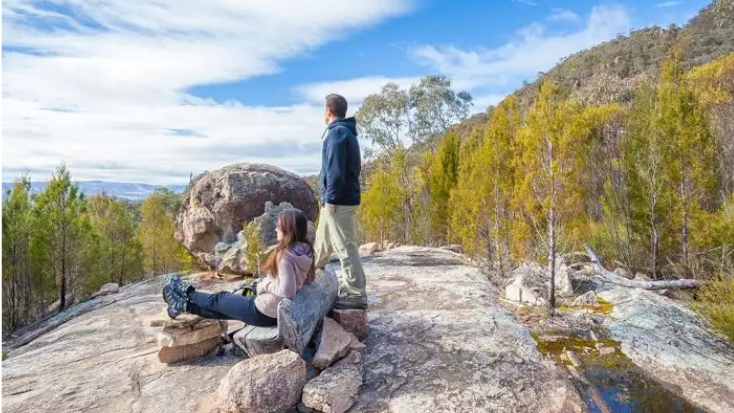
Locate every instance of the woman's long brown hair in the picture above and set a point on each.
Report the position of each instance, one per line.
(294, 226)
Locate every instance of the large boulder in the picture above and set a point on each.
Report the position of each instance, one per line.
(218, 204)
(269, 383)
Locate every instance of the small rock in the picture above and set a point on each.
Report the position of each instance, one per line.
(606, 350)
(622, 273)
(518, 292)
(586, 299)
(334, 344)
(234, 326)
(593, 336)
(454, 248)
(266, 383)
(642, 277)
(109, 288)
(302, 408)
(175, 354)
(182, 321)
(221, 247)
(370, 248)
(336, 389)
(175, 337)
(356, 345)
(354, 321)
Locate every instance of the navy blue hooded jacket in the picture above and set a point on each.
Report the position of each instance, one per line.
(341, 163)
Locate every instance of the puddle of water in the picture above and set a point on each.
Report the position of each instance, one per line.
(629, 391)
(623, 386)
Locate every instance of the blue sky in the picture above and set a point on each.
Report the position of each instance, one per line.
(151, 91)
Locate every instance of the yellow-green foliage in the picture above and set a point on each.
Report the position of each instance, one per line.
(713, 83)
(443, 175)
(381, 210)
(252, 253)
(480, 210)
(715, 302)
(550, 164)
(162, 253)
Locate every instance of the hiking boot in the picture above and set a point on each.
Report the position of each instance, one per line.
(176, 303)
(351, 302)
(178, 285)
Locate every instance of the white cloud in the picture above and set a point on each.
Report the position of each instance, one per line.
(526, 2)
(669, 4)
(354, 90)
(107, 98)
(534, 49)
(564, 15)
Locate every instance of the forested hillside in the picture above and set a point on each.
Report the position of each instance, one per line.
(610, 71)
(59, 246)
(643, 172)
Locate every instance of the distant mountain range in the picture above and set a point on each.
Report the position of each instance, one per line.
(123, 190)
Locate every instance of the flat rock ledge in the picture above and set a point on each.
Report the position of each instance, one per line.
(671, 344)
(439, 341)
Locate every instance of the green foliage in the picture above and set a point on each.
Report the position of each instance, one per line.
(420, 116)
(57, 244)
(161, 252)
(715, 302)
(17, 232)
(118, 252)
(59, 215)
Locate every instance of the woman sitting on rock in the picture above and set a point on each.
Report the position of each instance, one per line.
(288, 267)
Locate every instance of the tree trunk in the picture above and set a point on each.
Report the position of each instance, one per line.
(62, 289)
(498, 250)
(552, 260)
(646, 285)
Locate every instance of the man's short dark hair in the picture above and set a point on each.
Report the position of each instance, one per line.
(337, 105)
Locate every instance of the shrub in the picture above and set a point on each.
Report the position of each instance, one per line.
(715, 302)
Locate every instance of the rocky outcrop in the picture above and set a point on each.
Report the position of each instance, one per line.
(673, 346)
(102, 356)
(438, 341)
(267, 383)
(218, 204)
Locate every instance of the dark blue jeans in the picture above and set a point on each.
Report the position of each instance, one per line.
(227, 306)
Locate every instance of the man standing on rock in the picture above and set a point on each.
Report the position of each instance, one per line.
(341, 164)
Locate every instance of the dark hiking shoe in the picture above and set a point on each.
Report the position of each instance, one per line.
(176, 303)
(178, 285)
(351, 302)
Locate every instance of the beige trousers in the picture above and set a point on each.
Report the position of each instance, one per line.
(337, 232)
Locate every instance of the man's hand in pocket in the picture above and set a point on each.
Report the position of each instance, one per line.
(331, 208)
